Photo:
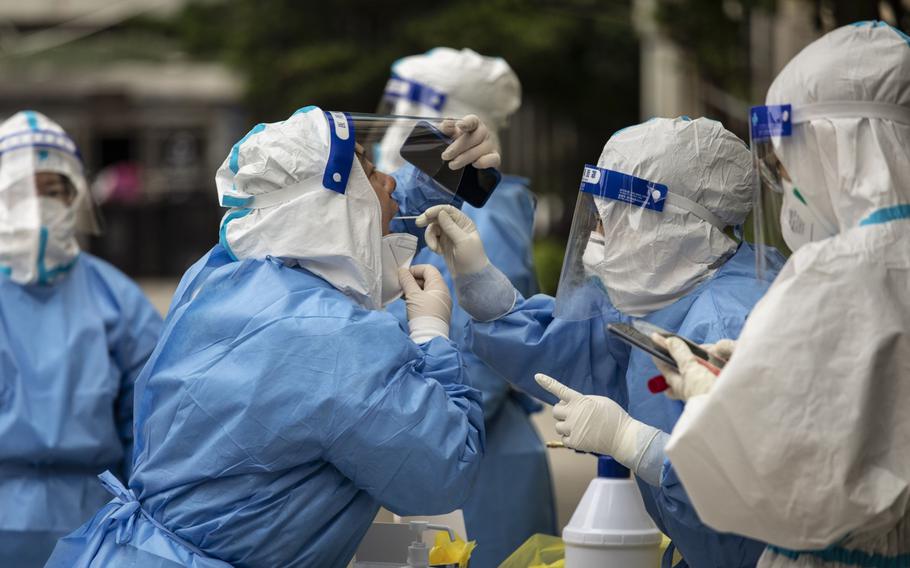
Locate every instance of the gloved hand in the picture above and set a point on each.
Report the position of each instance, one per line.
(453, 235)
(721, 351)
(597, 424)
(429, 304)
(694, 376)
(472, 144)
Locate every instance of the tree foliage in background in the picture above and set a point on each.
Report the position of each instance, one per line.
(717, 36)
(576, 55)
(717, 32)
(577, 59)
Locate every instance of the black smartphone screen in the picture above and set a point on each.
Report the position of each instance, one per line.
(638, 339)
(423, 149)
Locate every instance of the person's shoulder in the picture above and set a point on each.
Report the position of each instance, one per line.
(99, 266)
(107, 275)
(856, 251)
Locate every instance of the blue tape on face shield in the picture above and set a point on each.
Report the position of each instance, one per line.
(626, 188)
(400, 88)
(771, 120)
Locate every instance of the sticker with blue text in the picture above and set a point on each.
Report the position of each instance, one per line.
(770, 121)
(623, 187)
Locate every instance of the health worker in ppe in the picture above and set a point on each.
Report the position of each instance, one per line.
(651, 239)
(801, 441)
(513, 497)
(283, 406)
(74, 334)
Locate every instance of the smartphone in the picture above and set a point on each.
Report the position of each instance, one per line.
(638, 339)
(423, 149)
(648, 328)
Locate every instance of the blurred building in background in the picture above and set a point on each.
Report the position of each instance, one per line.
(152, 125)
(156, 91)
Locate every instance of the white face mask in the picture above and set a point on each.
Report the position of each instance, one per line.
(799, 223)
(398, 250)
(594, 254)
(60, 248)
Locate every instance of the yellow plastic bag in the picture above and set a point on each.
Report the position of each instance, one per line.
(539, 551)
(451, 552)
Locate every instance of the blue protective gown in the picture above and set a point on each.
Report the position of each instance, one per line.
(273, 420)
(69, 354)
(513, 496)
(580, 354)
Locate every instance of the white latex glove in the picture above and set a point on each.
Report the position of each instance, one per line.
(722, 350)
(597, 424)
(453, 235)
(429, 303)
(472, 144)
(694, 376)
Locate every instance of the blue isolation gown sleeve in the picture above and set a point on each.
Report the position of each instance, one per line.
(423, 430)
(530, 340)
(506, 227)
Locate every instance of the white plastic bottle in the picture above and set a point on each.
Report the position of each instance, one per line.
(610, 527)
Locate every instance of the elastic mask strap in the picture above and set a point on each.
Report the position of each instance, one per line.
(696, 209)
(851, 109)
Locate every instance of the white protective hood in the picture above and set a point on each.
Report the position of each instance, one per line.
(334, 235)
(452, 83)
(651, 260)
(803, 442)
(38, 234)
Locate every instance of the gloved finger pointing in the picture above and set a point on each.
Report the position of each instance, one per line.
(556, 388)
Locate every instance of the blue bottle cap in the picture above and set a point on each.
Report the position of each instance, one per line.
(610, 468)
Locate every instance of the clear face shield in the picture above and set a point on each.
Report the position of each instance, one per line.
(423, 178)
(44, 202)
(791, 204)
(780, 208)
(635, 246)
(406, 98)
